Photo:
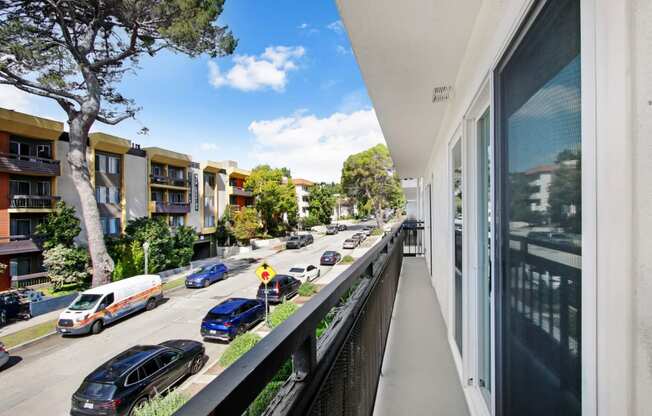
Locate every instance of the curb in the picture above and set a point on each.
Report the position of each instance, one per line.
(31, 341)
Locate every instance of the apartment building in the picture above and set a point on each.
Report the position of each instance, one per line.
(168, 185)
(526, 125)
(302, 187)
(29, 170)
(238, 196)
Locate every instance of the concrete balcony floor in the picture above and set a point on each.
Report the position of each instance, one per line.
(419, 375)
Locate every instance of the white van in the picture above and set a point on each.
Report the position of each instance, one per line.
(97, 307)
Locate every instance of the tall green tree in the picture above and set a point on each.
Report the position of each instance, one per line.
(369, 177)
(274, 196)
(60, 227)
(76, 52)
(245, 224)
(321, 203)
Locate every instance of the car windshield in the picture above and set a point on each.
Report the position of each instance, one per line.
(294, 238)
(85, 302)
(329, 253)
(349, 240)
(296, 270)
(98, 391)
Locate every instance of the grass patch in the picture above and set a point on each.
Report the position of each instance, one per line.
(29, 334)
(307, 289)
(281, 313)
(347, 259)
(238, 347)
(66, 289)
(163, 405)
(172, 284)
(377, 231)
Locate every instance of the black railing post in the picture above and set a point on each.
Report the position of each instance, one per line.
(304, 359)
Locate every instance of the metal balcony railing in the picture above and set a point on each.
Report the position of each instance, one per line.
(33, 201)
(32, 165)
(334, 375)
(161, 207)
(414, 234)
(169, 180)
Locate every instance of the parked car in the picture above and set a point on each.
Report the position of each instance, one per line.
(342, 227)
(330, 258)
(359, 236)
(332, 230)
(95, 308)
(136, 375)
(279, 289)
(304, 272)
(207, 275)
(232, 317)
(366, 230)
(308, 238)
(350, 243)
(295, 241)
(11, 307)
(4, 355)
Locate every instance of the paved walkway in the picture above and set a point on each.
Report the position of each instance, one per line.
(418, 376)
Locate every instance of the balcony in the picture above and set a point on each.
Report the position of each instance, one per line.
(160, 207)
(240, 191)
(169, 181)
(33, 201)
(28, 165)
(377, 355)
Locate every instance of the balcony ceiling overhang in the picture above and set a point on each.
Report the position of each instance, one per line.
(238, 173)
(210, 166)
(406, 49)
(108, 143)
(168, 157)
(27, 125)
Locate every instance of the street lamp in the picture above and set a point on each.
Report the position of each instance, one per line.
(146, 250)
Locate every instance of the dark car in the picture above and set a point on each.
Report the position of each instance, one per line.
(308, 238)
(279, 289)
(136, 375)
(332, 230)
(330, 258)
(232, 317)
(11, 308)
(207, 275)
(295, 241)
(342, 227)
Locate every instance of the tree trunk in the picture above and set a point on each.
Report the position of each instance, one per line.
(102, 262)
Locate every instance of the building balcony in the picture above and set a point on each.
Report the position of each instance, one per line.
(18, 244)
(240, 191)
(159, 207)
(33, 202)
(169, 181)
(28, 165)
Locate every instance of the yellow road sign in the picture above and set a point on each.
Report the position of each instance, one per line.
(265, 273)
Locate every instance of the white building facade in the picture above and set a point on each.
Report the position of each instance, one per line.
(302, 188)
(528, 124)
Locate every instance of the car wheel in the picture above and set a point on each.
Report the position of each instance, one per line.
(97, 327)
(3, 318)
(139, 404)
(197, 364)
(151, 304)
(206, 283)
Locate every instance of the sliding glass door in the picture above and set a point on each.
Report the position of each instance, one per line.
(458, 224)
(538, 137)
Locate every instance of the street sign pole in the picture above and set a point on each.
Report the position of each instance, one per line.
(266, 308)
(265, 273)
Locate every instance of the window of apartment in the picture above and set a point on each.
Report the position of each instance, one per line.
(43, 151)
(20, 266)
(177, 220)
(157, 196)
(209, 180)
(43, 188)
(19, 187)
(157, 170)
(20, 227)
(176, 197)
(107, 195)
(19, 148)
(233, 200)
(107, 164)
(540, 275)
(110, 225)
(175, 173)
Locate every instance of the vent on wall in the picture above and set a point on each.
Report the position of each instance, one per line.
(442, 93)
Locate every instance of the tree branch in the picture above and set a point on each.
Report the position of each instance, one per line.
(131, 50)
(116, 120)
(13, 79)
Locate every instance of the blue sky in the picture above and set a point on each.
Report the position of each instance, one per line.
(292, 95)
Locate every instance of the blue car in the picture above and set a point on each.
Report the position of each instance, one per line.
(232, 317)
(207, 275)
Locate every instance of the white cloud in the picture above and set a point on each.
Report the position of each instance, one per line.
(252, 73)
(343, 50)
(14, 99)
(336, 27)
(315, 148)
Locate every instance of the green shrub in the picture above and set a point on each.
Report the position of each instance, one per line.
(281, 313)
(347, 259)
(238, 347)
(258, 406)
(66, 265)
(163, 405)
(377, 231)
(60, 227)
(307, 289)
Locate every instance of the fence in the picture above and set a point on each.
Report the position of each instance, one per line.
(414, 234)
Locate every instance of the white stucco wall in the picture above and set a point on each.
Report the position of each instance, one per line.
(302, 205)
(135, 173)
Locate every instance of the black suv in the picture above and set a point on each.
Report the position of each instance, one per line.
(308, 238)
(11, 307)
(279, 289)
(133, 377)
